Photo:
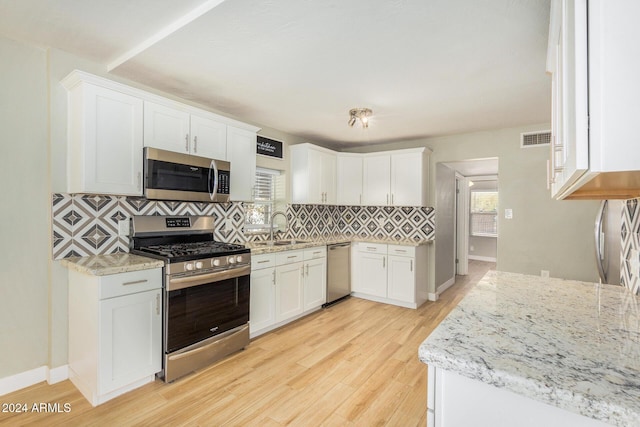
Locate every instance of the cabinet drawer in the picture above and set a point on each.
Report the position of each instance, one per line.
(259, 262)
(130, 283)
(317, 252)
(409, 251)
(289, 257)
(372, 248)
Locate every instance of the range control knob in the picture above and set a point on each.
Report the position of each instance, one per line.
(239, 259)
(188, 266)
(198, 265)
(231, 260)
(216, 262)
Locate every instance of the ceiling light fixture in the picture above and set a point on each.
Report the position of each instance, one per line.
(361, 114)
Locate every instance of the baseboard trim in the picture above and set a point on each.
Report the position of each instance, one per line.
(58, 374)
(446, 285)
(482, 258)
(34, 376)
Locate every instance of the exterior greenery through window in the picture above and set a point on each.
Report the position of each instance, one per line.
(268, 197)
(484, 213)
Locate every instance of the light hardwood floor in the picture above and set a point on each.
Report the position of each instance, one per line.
(355, 363)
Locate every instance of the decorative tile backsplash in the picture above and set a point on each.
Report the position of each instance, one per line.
(87, 224)
(630, 241)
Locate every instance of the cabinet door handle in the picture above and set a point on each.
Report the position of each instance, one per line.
(307, 273)
(158, 304)
(263, 261)
(371, 248)
(195, 144)
(387, 198)
(360, 200)
(273, 277)
(411, 265)
(392, 198)
(302, 272)
(139, 180)
(186, 143)
(384, 261)
(135, 282)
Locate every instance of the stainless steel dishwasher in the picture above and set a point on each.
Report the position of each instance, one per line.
(338, 272)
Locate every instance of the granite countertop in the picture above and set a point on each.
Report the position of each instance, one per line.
(308, 242)
(570, 344)
(102, 265)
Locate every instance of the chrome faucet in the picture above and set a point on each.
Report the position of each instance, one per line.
(286, 222)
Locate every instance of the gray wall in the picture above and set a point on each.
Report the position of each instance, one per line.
(544, 234)
(445, 204)
(24, 217)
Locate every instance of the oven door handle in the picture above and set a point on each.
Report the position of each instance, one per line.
(174, 284)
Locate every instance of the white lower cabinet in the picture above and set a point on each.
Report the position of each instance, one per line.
(115, 332)
(393, 274)
(285, 286)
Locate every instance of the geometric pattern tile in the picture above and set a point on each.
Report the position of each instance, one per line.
(87, 224)
(630, 240)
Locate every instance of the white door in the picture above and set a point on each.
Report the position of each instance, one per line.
(130, 339)
(406, 179)
(289, 288)
(112, 162)
(349, 177)
(262, 302)
(372, 274)
(241, 152)
(166, 128)
(376, 178)
(208, 138)
(315, 283)
(401, 278)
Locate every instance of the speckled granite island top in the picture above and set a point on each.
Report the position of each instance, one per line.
(571, 344)
(102, 265)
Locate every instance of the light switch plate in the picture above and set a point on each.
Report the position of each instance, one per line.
(508, 213)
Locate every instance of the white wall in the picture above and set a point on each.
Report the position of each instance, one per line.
(25, 213)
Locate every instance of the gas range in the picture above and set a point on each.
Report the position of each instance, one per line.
(185, 244)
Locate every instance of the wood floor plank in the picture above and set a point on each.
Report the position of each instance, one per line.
(352, 364)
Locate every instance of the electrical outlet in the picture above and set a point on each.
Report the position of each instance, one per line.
(228, 224)
(298, 223)
(544, 274)
(634, 263)
(123, 227)
(381, 222)
(508, 213)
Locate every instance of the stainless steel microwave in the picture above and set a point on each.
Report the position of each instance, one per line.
(177, 176)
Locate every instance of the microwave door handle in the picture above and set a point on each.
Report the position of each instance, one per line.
(213, 169)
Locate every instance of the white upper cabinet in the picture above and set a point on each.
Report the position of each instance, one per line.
(396, 178)
(409, 178)
(166, 128)
(389, 178)
(241, 152)
(594, 58)
(376, 179)
(105, 139)
(313, 175)
(208, 138)
(177, 130)
(349, 176)
(110, 123)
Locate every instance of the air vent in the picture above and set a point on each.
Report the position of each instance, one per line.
(535, 139)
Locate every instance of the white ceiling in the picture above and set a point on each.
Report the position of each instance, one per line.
(425, 67)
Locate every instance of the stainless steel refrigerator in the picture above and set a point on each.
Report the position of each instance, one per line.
(608, 240)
